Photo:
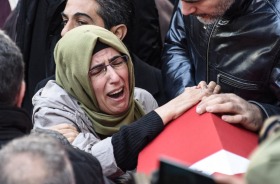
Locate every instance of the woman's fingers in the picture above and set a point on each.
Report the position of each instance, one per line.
(68, 131)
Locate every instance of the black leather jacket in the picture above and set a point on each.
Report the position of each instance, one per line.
(240, 52)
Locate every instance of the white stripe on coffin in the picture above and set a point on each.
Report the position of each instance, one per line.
(224, 162)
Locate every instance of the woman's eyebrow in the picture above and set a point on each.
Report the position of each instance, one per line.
(98, 65)
(110, 60)
(113, 58)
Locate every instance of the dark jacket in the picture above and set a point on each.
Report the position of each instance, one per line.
(144, 36)
(240, 52)
(14, 123)
(87, 168)
(149, 78)
(35, 26)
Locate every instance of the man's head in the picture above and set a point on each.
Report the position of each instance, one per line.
(114, 15)
(12, 87)
(206, 11)
(35, 159)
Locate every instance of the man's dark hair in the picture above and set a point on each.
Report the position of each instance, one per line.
(114, 12)
(11, 70)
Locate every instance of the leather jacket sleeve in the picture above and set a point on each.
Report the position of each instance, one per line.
(267, 110)
(177, 69)
(274, 86)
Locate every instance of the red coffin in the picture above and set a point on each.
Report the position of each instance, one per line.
(204, 142)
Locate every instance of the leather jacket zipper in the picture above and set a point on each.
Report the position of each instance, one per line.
(207, 54)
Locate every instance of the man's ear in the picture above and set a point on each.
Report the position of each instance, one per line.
(20, 95)
(119, 30)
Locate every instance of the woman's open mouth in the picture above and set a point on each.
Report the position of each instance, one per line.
(116, 94)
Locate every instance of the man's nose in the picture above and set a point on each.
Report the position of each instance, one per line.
(67, 27)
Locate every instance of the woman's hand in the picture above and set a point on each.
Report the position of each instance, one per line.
(191, 96)
(68, 131)
(212, 86)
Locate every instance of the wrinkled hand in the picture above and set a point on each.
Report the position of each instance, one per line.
(226, 179)
(233, 110)
(212, 86)
(183, 102)
(68, 131)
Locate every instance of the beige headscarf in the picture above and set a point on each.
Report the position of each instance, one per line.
(73, 54)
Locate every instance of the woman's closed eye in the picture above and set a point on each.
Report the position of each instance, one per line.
(119, 61)
(115, 62)
(97, 69)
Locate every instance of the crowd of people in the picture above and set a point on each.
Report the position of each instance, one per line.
(85, 85)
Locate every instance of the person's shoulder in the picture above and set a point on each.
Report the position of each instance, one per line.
(140, 93)
(55, 96)
(52, 88)
(146, 99)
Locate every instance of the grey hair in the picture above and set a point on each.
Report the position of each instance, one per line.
(20, 157)
(50, 133)
(11, 70)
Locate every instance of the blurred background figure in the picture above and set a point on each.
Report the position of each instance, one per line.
(32, 159)
(7, 6)
(86, 168)
(165, 10)
(149, 23)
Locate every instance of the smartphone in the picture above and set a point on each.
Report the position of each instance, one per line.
(171, 172)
